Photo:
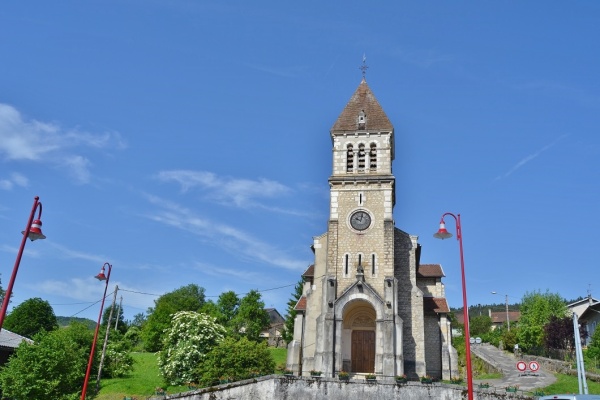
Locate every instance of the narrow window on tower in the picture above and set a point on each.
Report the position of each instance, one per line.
(373, 264)
(346, 264)
(373, 157)
(361, 157)
(350, 159)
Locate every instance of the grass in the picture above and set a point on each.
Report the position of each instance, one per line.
(143, 381)
(280, 357)
(569, 384)
(145, 378)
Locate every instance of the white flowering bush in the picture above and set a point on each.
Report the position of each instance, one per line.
(186, 342)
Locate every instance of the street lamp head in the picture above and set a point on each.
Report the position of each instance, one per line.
(101, 276)
(35, 231)
(442, 233)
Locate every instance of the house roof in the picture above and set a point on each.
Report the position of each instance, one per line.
(301, 304)
(274, 316)
(363, 99)
(430, 271)
(435, 304)
(11, 340)
(499, 317)
(589, 300)
(591, 312)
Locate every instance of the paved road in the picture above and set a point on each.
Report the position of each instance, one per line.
(507, 363)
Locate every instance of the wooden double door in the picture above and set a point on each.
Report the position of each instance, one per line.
(363, 351)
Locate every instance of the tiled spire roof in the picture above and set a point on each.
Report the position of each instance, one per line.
(363, 99)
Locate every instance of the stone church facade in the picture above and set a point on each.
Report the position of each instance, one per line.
(368, 305)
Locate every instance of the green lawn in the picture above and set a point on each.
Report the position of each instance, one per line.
(142, 382)
(569, 384)
(145, 378)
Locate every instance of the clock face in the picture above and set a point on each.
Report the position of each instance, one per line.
(360, 220)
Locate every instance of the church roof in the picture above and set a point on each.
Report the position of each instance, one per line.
(310, 271)
(363, 99)
(435, 304)
(301, 304)
(430, 271)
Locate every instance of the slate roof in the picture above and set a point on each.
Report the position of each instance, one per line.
(430, 271)
(363, 99)
(435, 304)
(11, 340)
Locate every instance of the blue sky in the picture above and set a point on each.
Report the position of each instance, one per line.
(188, 141)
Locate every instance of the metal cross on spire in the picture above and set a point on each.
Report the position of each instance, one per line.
(364, 66)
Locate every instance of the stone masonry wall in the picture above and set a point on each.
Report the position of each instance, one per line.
(282, 388)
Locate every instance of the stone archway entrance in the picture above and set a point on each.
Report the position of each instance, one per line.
(359, 337)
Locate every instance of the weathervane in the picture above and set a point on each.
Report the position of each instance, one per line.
(364, 66)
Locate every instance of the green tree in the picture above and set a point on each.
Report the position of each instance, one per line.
(227, 306)
(187, 341)
(133, 337)
(251, 318)
(536, 310)
(236, 359)
(117, 316)
(186, 298)
(290, 317)
(118, 361)
(139, 320)
(593, 350)
(52, 368)
(480, 325)
(30, 317)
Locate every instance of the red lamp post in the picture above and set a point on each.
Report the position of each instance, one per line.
(100, 277)
(442, 233)
(33, 231)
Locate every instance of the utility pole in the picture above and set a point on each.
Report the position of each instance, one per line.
(106, 339)
(507, 319)
(118, 310)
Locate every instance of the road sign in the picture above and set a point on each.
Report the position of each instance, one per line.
(522, 366)
(534, 366)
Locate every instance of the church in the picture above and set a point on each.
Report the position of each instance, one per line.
(368, 305)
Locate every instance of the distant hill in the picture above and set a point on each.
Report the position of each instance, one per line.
(65, 321)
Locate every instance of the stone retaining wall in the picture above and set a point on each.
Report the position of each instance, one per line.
(282, 388)
(561, 367)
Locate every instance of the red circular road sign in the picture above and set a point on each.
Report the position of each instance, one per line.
(534, 366)
(521, 366)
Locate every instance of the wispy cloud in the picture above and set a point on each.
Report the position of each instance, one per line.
(227, 237)
(238, 192)
(23, 139)
(14, 179)
(529, 158)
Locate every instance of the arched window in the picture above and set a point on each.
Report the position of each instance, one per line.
(373, 157)
(350, 159)
(361, 157)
